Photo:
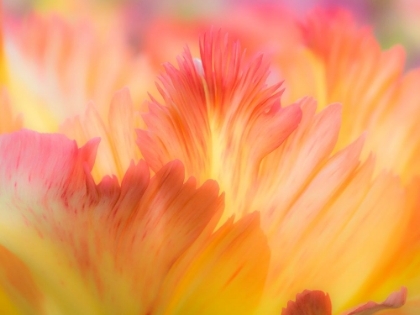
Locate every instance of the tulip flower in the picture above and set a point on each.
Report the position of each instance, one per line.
(233, 203)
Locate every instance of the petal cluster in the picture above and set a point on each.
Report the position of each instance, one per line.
(245, 184)
(148, 245)
(280, 162)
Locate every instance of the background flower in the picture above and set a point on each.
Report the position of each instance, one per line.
(55, 68)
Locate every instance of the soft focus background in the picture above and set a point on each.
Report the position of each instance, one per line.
(394, 21)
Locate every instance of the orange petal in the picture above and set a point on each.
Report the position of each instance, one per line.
(121, 120)
(226, 276)
(309, 303)
(311, 202)
(402, 266)
(218, 117)
(303, 155)
(17, 281)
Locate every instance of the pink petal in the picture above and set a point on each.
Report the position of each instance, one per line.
(394, 300)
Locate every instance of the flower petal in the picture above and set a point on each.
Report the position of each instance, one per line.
(16, 279)
(39, 184)
(411, 307)
(394, 300)
(319, 303)
(227, 276)
(309, 303)
(370, 84)
(219, 117)
(8, 122)
(118, 147)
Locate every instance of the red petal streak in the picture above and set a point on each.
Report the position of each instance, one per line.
(216, 112)
(44, 164)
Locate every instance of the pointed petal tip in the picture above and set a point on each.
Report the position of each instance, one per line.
(89, 151)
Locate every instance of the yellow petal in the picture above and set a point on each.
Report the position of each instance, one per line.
(225, 277)
(8, 121)
(19, 292)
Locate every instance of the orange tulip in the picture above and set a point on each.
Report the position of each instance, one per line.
(221, 119)
(316, 217)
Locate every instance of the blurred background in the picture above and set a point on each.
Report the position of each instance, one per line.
(393, 21)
